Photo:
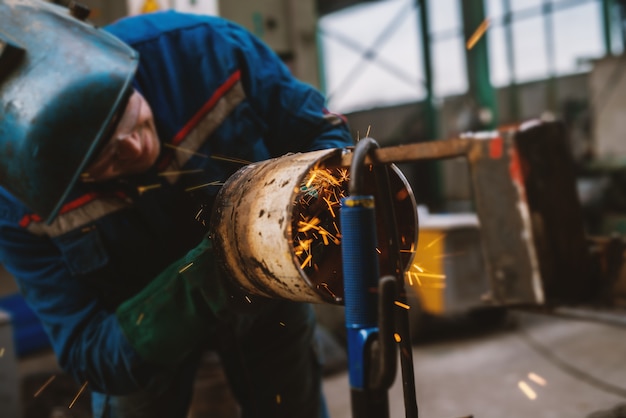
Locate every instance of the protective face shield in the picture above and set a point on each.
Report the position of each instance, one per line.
(61, 84)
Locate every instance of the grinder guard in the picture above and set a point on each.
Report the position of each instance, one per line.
(61, 83)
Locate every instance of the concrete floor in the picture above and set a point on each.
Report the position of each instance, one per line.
(461, 369)
(467, 371)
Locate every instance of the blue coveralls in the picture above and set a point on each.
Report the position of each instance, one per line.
(215, 90)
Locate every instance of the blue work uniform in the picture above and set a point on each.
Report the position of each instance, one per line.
(215, 91)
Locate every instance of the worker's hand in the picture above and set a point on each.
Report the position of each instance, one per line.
(175, 312)
(199, 269)
(224, 297)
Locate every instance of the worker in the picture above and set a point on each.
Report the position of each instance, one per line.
(113, 144)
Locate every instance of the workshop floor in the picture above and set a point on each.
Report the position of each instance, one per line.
(572, 368)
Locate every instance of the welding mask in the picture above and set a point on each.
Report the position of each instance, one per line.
(62, 82)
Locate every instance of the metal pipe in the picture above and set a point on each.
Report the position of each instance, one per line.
(421, 151)
(252, 227)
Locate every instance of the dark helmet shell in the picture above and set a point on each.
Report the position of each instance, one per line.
(61, 83)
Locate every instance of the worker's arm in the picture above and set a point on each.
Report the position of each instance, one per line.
(295, 112)
(117, 352)
(203, 54)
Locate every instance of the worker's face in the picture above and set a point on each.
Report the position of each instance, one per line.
(134, 146)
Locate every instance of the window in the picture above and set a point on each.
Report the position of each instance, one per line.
(447, 47)
(577, 37)
(372, 55)
(525, 5)
(449, 69)
(529, 46)
(498, 66)
(444, 15)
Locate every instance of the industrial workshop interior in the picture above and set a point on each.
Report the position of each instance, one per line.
(481, 249)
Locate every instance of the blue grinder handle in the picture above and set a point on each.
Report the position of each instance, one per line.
(360, 261)
(360, 277)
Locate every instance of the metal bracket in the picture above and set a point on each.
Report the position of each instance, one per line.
(525, 196)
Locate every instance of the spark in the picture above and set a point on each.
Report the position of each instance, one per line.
(185, 268)
(319, 182)
(278, 398)
(315, 214)
(397, 337)
(142, 189)
(282, 324)
(439, 238)
(408, 275)
(417, 278)
(369, 129)
(478, 33)
(325, 286)
(433, 276)
(337, 199)
(344, 175)
(45, 385)
(179, 172)
(311, 224)
(213, 183)
(82, 388)
(402, 305)
(337, 229)
(325, 235)
(326, 175)
(230, 159)
(139, 319)
(330, 206)
(306, 261)
(302, 246)
(527, 390)
(418, 268)
(186, 150)
(248, 299)
(537, 379)
(308, 183)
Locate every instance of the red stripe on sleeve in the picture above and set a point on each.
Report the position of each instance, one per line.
(215, 97)
(68, 207)
(219, 93)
